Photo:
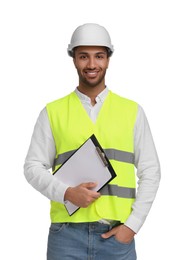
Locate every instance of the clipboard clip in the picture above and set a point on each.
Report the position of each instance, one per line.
(102, 156)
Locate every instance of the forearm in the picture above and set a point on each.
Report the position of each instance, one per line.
(44, 182)
(147, 188)
(148, 172)
(40, 159)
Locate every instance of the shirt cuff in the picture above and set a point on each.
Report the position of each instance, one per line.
(60, 192)
(133, 223)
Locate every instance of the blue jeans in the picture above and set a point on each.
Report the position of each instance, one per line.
(83, 241)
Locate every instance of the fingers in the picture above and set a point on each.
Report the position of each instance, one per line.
(90, 195)
(122, 234)
(89, 185)
(89, 189)
(108, 234)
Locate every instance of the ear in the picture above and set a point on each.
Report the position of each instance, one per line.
(74, 61)
(108, 60)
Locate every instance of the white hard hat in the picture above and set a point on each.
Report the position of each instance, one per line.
(90, 34)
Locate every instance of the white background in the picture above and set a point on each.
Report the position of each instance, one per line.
(147, 66)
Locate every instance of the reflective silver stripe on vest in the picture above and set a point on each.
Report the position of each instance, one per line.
(121, 192)
(122, 156)
(112, 154)
(63, 157)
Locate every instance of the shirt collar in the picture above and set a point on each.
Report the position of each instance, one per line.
(100, 98)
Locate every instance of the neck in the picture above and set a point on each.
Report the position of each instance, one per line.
(91, 92)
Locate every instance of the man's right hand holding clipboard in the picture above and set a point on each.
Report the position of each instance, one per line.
(82, 195)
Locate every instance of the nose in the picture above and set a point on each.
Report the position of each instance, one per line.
(91, 63)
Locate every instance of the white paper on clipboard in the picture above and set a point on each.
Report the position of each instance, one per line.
(85, 165)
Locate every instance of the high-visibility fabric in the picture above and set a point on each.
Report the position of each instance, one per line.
(114, 128)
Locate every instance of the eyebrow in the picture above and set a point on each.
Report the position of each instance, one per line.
(100, 52)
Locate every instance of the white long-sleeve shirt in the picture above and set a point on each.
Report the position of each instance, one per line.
(41, 155)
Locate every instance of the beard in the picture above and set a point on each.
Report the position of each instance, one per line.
(91, 82)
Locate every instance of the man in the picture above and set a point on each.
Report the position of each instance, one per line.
(107, 221)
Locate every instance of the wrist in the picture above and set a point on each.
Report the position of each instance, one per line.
(67, 194)
(129, 229)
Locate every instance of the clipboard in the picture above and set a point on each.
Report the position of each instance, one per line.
(88, 163)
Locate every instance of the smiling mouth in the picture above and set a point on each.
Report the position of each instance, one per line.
(91, 74)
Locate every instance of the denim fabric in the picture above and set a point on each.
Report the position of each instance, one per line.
(83, 241)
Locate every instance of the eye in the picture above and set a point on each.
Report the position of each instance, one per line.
(100, 56)
(83, 57)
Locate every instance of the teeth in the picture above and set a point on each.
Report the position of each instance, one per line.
(92, 73)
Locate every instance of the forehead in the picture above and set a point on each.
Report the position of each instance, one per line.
(90, 49)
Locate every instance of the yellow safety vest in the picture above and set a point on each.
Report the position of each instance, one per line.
(114, 129)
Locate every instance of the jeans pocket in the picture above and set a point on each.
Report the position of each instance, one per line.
(122, 243)
(56, 227)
